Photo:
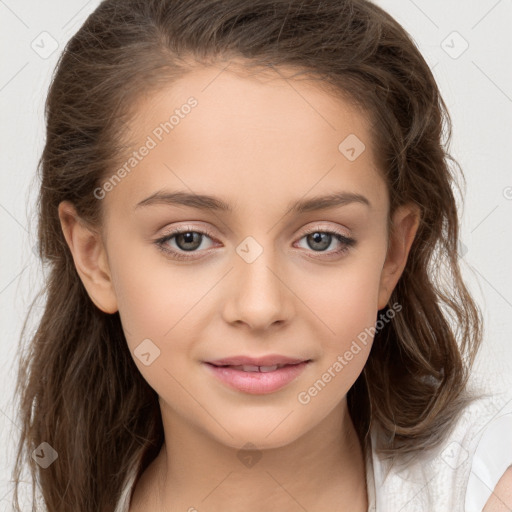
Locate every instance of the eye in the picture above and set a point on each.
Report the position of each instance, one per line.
(319, 240)
(187, 239)
(190, 240)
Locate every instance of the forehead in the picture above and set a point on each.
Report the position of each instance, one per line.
(295, 106)
(248, 135)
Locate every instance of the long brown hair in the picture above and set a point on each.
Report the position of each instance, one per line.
(79, 388)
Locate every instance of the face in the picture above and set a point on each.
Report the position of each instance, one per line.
(265, 268)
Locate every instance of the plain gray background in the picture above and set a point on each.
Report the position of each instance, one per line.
(466, 43)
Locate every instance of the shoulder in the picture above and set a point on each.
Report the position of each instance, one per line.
(490, 479)
(501, 498)
(462, 472)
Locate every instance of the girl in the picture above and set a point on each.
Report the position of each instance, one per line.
(254, 300)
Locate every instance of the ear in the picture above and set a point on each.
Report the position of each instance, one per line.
(90, 258)
(404, 225)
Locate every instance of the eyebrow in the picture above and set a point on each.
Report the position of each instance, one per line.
(206, 202)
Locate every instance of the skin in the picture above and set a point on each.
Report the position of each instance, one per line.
(257, 142)
(501, 499)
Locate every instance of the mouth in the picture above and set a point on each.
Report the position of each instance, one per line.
(256, 368)
(257, 379)
(269, 360)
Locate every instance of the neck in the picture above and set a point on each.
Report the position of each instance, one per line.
(322, 470)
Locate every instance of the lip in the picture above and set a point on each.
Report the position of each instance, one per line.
(258, 382)
(267, 360)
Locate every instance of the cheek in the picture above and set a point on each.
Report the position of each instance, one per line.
(346, 305)
(344, 300)
(161, 310)
(155, 322)
(152, 296)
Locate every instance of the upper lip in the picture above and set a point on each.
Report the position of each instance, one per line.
(268, 360)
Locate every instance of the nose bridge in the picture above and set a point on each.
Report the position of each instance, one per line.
(257, 295)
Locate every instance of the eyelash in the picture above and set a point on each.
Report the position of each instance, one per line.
(161, 242)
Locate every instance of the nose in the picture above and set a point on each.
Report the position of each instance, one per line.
(257, 293)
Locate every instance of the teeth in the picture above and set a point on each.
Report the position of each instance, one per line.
(268, 368)
(248, 368)
(251, 368)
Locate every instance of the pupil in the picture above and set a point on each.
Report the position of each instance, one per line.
(317, 239)
(188, 238)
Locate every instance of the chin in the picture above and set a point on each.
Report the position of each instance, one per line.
(262, 437)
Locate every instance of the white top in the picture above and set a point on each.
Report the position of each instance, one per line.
(459, 476)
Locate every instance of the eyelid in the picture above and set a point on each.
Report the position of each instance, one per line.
(177, 254)
(320, 228)
(344, 238)
(205, 231)
(185, 229)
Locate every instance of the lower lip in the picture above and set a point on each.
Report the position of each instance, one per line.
(257, 383)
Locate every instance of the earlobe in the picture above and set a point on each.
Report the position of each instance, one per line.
(405, 223)
(90, 258)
